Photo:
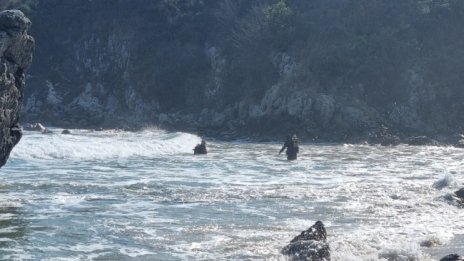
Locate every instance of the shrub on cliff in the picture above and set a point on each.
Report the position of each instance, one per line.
(26, 6)
(279, 18)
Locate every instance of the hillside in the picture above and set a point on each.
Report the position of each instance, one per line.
(341, 70)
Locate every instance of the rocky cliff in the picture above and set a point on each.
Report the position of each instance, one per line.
(16, 48)
(342, 70)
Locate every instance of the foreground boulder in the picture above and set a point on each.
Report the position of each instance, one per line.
(16, 48)
(310, 245)
(452, 257)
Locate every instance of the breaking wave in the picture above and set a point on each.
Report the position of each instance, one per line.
(94, 145)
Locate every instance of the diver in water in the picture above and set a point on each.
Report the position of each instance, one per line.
(200, 148)
(291, 144)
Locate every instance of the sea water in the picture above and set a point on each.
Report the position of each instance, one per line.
(115, 195)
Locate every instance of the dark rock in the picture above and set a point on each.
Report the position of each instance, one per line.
(66, 132)
(308, 251)
(460, 193)
(16, 48)
(315, 232)
(310, 245)
(14, 19)
(452, 257)
(456, 198)
(200, 149)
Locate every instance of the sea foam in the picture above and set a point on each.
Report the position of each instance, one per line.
(88, 145)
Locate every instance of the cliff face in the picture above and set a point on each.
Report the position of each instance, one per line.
(342, 70)
(16, 48)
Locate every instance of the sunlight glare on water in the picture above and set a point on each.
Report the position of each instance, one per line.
(115, 195)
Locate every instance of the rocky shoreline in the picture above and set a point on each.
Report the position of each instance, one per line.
(200, 80)
(231, 133)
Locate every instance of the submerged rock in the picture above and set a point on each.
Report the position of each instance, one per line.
(452, 257)
(310, 245)
(16, 48)
(66, 132)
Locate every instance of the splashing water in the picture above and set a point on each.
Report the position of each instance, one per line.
(446, 181)
(115, 195)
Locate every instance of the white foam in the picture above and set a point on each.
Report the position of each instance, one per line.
(437, 239)
(242, 201)
(445, 181)
(87, 145)
(404, 252)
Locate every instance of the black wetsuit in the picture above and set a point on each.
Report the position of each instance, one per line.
(200, 149)
(292, 150)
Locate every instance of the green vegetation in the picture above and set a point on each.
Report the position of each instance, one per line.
(26, 6)
(279, 17)
(385, 55)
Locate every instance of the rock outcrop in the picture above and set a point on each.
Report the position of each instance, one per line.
(459, 195)
(16, 48)
(452, 257)
(310, 245)
(456, 198)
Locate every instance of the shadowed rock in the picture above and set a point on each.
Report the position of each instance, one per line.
(16, 48)
(310, 245)
(460, 193)
(315, 232)
(452, 257)
(459, 197)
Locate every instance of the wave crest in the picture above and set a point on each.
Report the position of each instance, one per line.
(90, 145)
